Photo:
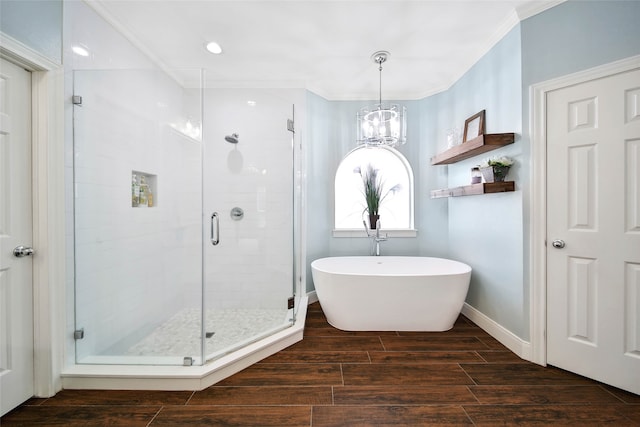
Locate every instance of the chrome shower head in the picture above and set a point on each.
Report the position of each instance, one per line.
(233, 138)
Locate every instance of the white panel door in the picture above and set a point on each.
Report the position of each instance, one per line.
(16, 290)
(593, 199)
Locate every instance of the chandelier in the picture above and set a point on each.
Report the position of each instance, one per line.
(382, 124)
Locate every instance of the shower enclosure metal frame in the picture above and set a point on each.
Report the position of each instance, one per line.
(296, 256)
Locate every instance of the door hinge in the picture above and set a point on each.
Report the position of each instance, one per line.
(290, 125)
(290, 303)
(76, 100)
(78, 334)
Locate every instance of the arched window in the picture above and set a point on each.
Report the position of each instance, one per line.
(395, 177)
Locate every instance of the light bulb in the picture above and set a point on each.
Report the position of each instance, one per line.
(214, 48)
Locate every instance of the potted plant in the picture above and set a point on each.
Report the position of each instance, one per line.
(374, 193)
(496, 168)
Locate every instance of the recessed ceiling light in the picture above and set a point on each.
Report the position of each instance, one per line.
(79, 50)
(214, 47)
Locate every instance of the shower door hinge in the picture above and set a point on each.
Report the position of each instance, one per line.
(187, 361)
(78, 334)
(290, 303)
(76, 100)
(290, 126)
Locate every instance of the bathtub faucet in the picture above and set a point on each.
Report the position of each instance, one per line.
(376, 237)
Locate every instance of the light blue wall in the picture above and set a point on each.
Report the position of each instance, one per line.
(316, 139)
(344, 140)
(489, 232)
(486, 231)
(570, 37)
(577, 35)
(35, 23)
(331, 135)
(464, 228)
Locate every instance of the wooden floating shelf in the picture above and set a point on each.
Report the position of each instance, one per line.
(475, 189)
(473, 147)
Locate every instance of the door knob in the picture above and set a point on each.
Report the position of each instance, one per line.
(558, 244)
(22, 251)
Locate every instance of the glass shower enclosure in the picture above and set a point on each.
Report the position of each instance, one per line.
(184, 208)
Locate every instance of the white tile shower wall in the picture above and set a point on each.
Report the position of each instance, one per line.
(253, 264)
(135, 267)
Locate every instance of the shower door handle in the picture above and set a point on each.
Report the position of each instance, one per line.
(215, 228)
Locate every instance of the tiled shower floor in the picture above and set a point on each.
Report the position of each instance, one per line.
(180, 334)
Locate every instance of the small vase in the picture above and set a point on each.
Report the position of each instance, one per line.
(373, 220)
(487, 174)
(494, 173)
(500, 173)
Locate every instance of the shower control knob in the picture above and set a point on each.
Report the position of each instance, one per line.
(22, 251)
(237, 214)
(558, 244)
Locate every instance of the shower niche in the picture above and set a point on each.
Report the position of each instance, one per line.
(143, 189)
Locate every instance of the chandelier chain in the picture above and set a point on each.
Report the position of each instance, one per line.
(380, 61)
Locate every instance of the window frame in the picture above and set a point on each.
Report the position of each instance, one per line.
(410, 231)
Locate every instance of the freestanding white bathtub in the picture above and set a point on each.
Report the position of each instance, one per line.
(391, 293)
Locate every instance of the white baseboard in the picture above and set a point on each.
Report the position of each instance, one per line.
(312, 297)
(507, 338)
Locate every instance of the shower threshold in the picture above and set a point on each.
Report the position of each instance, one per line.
(173, 377)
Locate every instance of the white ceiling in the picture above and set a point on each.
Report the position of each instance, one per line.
(322, 45)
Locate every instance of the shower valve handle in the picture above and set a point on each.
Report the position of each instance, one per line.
(215, 228)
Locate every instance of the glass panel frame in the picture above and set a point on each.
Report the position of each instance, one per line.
(251, 272)
(135, 275)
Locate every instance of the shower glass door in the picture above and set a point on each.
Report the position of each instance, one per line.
(137, 196)
(183, 217)
(248, 184)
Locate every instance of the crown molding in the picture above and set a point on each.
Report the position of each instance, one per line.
(532, 8)
(97, 7)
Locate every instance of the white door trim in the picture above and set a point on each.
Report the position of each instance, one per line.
(538, 205)
(48, 212)
(20, 54)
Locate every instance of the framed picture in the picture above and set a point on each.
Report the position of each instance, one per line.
(474, 126)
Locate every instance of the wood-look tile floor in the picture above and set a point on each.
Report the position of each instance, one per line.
(336, 378)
